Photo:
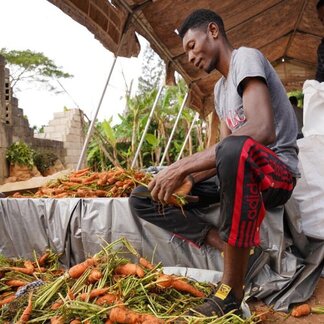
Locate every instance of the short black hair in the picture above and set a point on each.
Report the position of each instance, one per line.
(293, 100)
(201, 18)
(320, 4)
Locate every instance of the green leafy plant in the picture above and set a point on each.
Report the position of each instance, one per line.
(44, 160)
(20, 153)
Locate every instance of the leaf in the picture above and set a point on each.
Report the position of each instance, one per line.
(152, 140)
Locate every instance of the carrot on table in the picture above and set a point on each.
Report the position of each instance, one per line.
(24, 318)
(130, 269)
(80, 173)
(76, 271)
(301, 310)
(27, 271)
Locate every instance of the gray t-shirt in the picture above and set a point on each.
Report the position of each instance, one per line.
(249, 62)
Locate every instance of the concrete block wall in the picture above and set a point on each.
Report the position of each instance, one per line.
(67, 127)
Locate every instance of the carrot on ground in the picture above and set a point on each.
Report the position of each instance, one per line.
(27, 271)
(24, 318)
(179, 284)
(57, 320)
(43, 258)
(15, 283)
(94, 276)
(124, 315)
(301, 310)
(7, 300)
(76, 271)
(107, 299)
(130, 269)
(93, 293)
(146, 264)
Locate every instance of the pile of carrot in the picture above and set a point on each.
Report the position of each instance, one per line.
(116, 182)
(105, 288)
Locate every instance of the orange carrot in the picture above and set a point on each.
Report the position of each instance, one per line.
(130, 269)
(15, 283)
(146, 264)
(75, 179)
(80, 172)
(102, 179)
(100, 193)
(107, 299)
(91, 178)
(76, 321)
(301, 310)
(43, 258)
(57, 305)
(76, 271)
(71, 184)
(94, 276)
(29, 265)
(61, 195)
(108, 321)
(124, 315)
(179, 284)
(93, 293)
(57, 320)
(7, 300)
(24, 318)
(22, 270)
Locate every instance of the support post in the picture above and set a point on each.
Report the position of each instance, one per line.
(147, 126)
(174, 128)
(188, 134)
(94, 118)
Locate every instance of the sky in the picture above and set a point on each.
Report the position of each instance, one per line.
(40, 26)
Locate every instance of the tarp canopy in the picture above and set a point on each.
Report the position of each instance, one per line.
(286, 31)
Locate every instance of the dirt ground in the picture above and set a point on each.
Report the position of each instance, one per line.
(277, 317)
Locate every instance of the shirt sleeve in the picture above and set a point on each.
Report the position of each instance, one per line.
(249, 62)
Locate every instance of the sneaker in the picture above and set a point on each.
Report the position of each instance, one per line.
(219, 303)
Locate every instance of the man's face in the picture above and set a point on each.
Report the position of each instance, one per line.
(320, 13)
(198, 44)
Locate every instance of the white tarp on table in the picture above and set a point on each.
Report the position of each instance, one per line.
(287, 271)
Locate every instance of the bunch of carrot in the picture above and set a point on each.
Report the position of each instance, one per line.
(105, 288)
(116, 182)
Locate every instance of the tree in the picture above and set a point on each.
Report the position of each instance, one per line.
(27, 66)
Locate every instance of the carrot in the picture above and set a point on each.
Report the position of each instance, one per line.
(77, 270)
(91, 178)
(61, 195)
(76, 321)
(71, 184)
(80, 173)
(29, 265)
(58, 191)
(24, 318)
(100, 193)
(43, 258)
(15, 283)
(124, 315)
(146, 264)
(94, 276)
(108, 321)
(57, 305)
(93, 293)
(57, 320)
(301, 310)
(102, 179)
(22, 270)
(7, 300)
(106, 299)
(167, 281)
(75, 179)
(130, 269)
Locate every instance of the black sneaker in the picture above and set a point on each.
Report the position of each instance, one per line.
(220, 303)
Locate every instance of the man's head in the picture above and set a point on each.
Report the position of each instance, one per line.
(199, 33)
(320, 10)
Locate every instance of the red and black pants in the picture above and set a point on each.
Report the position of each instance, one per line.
(250, 179)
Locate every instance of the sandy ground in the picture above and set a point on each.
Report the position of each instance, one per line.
(276, 317)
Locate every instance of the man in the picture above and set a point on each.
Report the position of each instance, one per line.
(299, 115)
(320, 51)
(255, 162)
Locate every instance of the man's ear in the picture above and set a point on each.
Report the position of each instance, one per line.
(213, 29)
